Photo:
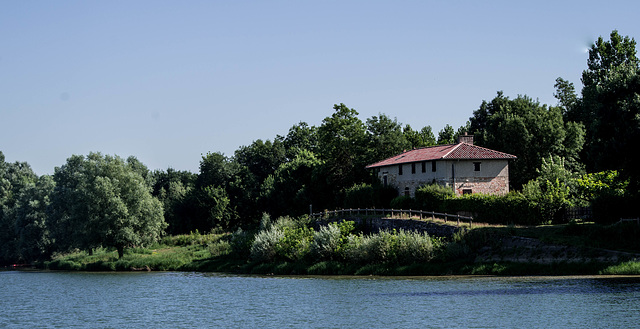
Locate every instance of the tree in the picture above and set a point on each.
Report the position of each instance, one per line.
(422, 138)
(15, 179)
(261, 158)
(294, 186)
(300, 137)
(385, 137)
(342, 143)
(531, 131)
(33, 238)
(566, 96)
(552, 190)
(606, 55)
(172, 188)
(446, 135)
(101, 201)
(609, 107)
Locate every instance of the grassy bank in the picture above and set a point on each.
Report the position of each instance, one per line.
(288, 246)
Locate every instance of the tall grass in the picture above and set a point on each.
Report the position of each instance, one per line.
(626, 268)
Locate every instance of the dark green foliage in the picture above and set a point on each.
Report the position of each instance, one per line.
(294, 186)
(386, 138)
(417, 139)
(528, 130)
(610, 107)
(359, 196)
(608, 209)
(173, 188)
(447, 135)
(23, 201)
(433, 197)
(402, 202)
(342, 144)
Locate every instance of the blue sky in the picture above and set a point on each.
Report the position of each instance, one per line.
(168, 81)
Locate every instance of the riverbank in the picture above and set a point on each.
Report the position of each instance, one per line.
(573, 249)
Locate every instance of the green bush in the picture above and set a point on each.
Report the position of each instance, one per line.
(286, 239)
(400, 247)
(413, 247)
(263, 248)
(326, 241)
(433, 197)
(402, 202)
(295, 243)
(241, 242)
(220, 248)
(608, 209)
(359, 196)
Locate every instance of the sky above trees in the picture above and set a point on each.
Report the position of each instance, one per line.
(169, 82)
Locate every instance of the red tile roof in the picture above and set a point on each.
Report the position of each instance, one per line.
(460, 151)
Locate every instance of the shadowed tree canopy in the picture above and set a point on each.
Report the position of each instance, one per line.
(528, 130)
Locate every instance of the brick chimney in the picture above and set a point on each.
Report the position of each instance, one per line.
(466, 138)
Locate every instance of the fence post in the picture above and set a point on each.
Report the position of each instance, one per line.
(458, 220)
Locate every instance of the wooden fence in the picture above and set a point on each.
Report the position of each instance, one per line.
(410, 213)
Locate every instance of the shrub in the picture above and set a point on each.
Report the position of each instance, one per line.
(402, 202)
(433, 197)
(326, 241)
(241, 242)
(220, 248)
(359, 196)
(413, 247)
(295, 243)
(401, 247)
(263, 248)
(286, 238)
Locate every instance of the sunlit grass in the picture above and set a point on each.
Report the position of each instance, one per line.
(626, 268)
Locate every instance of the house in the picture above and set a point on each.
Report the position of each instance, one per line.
(465, 167)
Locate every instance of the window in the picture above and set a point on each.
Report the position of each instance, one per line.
(399, 169)
(433, 166)
(413, 168)
(406, 191)
(424, 166)
(476, 166)
(384, 180)
(467, 191)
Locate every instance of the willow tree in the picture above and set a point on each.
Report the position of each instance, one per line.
(101, 201)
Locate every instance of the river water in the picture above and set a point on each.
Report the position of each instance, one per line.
(205, 300)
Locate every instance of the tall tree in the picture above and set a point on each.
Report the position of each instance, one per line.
(531, 131)
(385, 137)
(446, 135)
(422, 138)
(261, 158)
(342, 143)
(294, 186)
(610, 104)
(15, 179)
(172, 188)
(300, 137)
(101, 201)
(34, 241)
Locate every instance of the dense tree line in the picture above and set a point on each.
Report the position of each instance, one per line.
(105, 201)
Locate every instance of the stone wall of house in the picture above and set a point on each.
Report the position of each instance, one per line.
(485, 185)
(493, 177)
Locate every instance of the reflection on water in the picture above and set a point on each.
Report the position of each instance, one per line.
(187, 300)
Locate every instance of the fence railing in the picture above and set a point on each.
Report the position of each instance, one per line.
(410, 213)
